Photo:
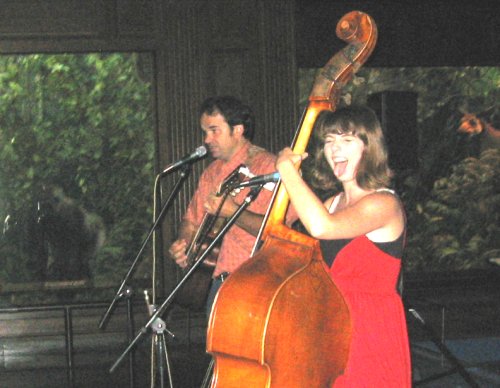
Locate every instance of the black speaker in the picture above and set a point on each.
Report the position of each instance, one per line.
(397, 112)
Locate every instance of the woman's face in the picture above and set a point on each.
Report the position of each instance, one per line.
(343, 153)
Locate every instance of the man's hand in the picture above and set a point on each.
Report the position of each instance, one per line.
(213, 202)
(177, 252)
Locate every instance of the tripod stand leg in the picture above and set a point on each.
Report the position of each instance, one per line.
(163, 357)
(131, 330)
(161, 354)
(208, 374)
(159, 359)
(444, 350)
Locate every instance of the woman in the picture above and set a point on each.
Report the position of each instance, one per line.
(361, 231)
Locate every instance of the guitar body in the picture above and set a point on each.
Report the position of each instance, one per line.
(193, 294)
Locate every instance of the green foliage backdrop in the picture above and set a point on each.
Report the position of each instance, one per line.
(453, 200)
(80, 126)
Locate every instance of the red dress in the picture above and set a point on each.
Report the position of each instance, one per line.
(379, 354)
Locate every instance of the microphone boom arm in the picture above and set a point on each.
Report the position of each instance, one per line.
(160, 310)
(122, 290)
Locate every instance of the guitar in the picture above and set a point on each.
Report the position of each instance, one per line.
(193, 294)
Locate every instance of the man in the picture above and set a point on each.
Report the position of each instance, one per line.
(228, 125)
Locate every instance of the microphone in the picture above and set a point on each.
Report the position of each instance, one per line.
(200, 152)
(260, 180)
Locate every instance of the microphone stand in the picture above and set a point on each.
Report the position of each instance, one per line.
(155, 319)
(125, 291)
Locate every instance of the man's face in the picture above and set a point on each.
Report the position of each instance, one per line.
(222, 141)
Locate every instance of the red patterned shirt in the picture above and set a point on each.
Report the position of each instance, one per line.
(237, 244)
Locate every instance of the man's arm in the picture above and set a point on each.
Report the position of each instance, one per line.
(247, 220)
(250, 222)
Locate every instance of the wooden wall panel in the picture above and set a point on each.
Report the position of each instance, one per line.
(240, 48)
(78, 19)
(182, 80)
(278, 74)
(250, 54)
(226, 48)
(62, 18)
(136, 17)
(228, 72)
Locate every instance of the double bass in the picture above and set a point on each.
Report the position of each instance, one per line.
(279, 320)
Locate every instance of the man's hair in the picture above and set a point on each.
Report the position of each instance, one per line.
(233, 110)
(362, 122)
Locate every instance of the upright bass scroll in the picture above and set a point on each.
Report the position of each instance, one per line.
(279, 320)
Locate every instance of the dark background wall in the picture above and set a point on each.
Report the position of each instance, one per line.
(249, 48)
(411, 33)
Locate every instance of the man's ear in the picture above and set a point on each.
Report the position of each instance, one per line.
(239, 129)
